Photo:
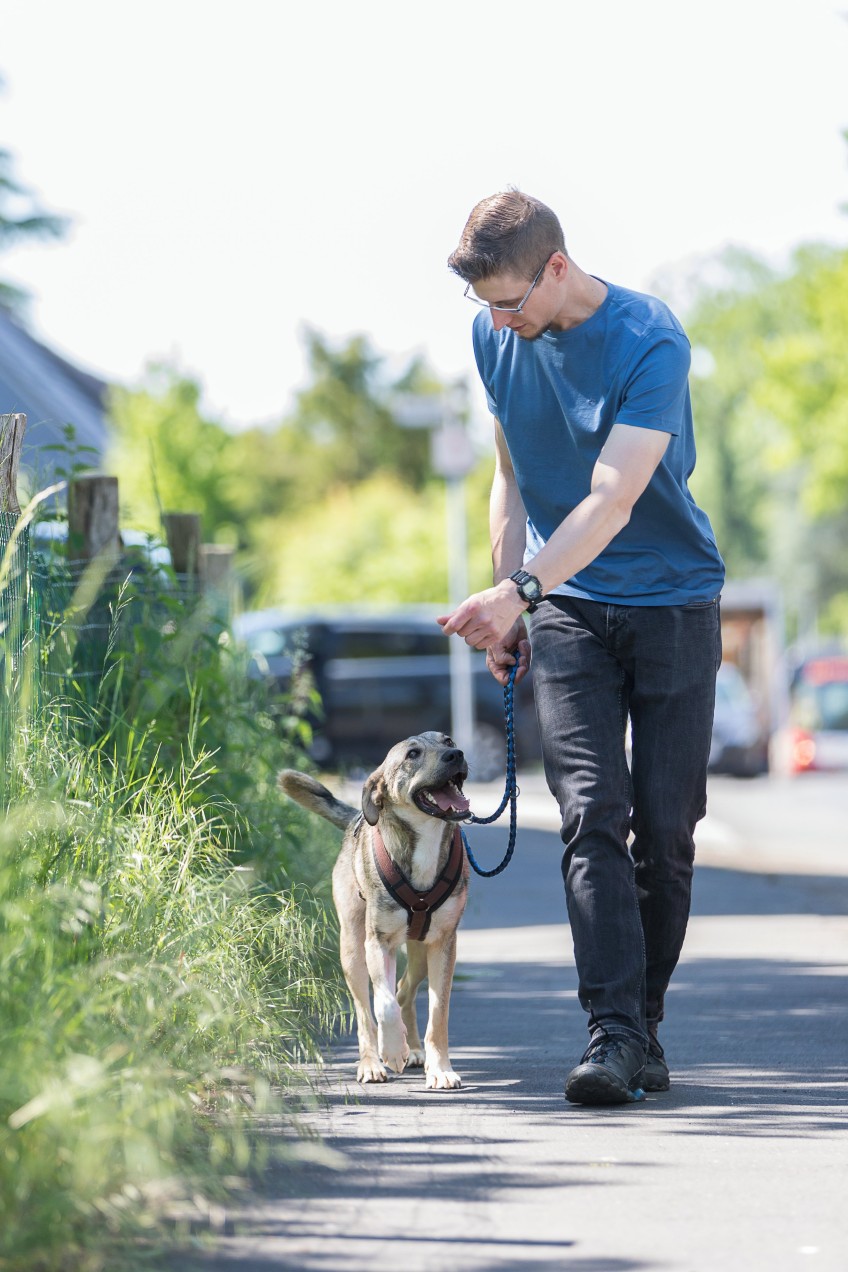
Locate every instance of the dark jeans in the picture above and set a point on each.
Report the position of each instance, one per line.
(593, 664)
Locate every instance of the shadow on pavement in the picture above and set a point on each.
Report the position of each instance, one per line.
(756, 1045)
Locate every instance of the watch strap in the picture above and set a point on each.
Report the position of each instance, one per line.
(521, 578)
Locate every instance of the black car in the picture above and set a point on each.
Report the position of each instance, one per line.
(380, 679)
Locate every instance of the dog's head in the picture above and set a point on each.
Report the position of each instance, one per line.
(425, 772)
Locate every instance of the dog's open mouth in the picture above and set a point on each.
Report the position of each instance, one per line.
(445, 801)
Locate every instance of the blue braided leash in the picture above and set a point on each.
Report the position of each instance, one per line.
(511, 792)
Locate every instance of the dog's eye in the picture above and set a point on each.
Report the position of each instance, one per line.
(448, 741)
(414, 753)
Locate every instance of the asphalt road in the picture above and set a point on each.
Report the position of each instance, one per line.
(742, 1165)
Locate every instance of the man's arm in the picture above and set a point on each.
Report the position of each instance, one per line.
(508, 531)
(507, 517)
(621, 473)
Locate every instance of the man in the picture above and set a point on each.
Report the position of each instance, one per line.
(595, 534)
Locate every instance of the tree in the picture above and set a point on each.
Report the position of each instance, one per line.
(376, 542)
(21, 219)
(169, 457)
(805, 379)
(337, 494)
(772, 413)
(342, 429)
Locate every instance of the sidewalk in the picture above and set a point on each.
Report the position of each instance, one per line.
(740, 1167)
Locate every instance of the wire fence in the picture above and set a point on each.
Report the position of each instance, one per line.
(67, 626)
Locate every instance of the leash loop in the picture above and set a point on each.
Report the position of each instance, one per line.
(511, 791)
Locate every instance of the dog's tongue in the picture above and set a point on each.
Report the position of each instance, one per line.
(450, 799)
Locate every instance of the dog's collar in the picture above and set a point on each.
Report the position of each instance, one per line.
(419, 906)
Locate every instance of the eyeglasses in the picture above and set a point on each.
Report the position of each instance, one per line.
(507, 309)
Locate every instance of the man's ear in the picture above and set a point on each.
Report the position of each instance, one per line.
(373, 794)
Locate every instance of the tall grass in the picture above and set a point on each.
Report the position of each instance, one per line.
(157, 987)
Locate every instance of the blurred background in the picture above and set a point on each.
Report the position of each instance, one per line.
(224, 236)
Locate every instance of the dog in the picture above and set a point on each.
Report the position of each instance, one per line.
(401, 876)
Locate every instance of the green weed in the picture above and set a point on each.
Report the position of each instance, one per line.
(165, 968)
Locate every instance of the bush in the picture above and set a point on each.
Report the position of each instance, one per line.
(158, 988)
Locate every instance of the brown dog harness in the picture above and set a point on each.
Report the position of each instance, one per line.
(419, 906)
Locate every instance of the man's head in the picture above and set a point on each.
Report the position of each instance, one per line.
(508, 243)
(508, 233)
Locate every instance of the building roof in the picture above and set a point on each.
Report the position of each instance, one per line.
(52, 393)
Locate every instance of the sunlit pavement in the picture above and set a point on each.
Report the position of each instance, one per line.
(741, 1165)
(795, 824)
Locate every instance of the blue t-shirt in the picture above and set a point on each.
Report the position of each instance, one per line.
(557, 398)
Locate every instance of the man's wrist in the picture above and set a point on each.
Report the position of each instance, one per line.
(509, 592)
(528, 588)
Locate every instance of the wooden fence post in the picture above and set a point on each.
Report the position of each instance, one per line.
(216, 564)
(93, 516)
(12, 429)
(218, 578)
(182, 531)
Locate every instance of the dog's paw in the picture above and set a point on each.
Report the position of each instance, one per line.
(415, 1059)
(370, 1070)
(443, 1080)
(391, 1043)
(396, 1060)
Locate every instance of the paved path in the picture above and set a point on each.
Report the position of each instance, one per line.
(743, 1165)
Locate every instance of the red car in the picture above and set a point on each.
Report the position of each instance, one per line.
(817, 737)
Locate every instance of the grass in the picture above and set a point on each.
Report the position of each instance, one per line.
(164, 966)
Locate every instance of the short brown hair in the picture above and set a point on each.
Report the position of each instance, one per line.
(509, 232)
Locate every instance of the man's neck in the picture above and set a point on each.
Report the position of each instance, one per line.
(585, 296)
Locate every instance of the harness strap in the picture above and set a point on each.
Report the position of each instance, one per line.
(419, 906)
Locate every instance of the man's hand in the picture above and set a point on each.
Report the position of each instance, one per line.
(492, 620)
(515, 647)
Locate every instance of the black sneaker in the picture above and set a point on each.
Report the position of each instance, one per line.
(609, 1073)
(655, 1077)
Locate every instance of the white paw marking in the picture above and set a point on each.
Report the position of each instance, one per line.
(443, 1079)
(370, 1070)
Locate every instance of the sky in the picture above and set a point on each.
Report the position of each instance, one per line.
(235, 172)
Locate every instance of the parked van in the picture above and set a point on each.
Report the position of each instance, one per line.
(381, 678)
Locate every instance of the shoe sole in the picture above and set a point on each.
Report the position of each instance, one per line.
(590, 1084)
(658, 1083)
(655, 1075)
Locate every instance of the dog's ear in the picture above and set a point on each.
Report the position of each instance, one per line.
(373, 794)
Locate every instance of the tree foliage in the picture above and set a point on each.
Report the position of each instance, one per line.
(771, 411)
(377, 542)
(337, 493)
(805, 380)
(169, 457)
(21, 220)
(342, 429)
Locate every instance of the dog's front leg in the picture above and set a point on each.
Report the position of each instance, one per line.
(416, 971)
(352, 924)
(441, 959)
(391, 1034)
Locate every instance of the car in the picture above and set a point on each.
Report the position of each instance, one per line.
(739, 743)
(380, 678)
(817, 737)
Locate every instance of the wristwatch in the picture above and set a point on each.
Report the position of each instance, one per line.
(529, 588)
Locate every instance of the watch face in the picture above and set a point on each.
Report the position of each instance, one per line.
(532, 589)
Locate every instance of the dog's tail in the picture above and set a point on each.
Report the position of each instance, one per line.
(312, 795)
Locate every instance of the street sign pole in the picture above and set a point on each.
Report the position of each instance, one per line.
(461, 669)
(452, 457)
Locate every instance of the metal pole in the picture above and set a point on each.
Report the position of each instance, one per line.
(461, 669)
